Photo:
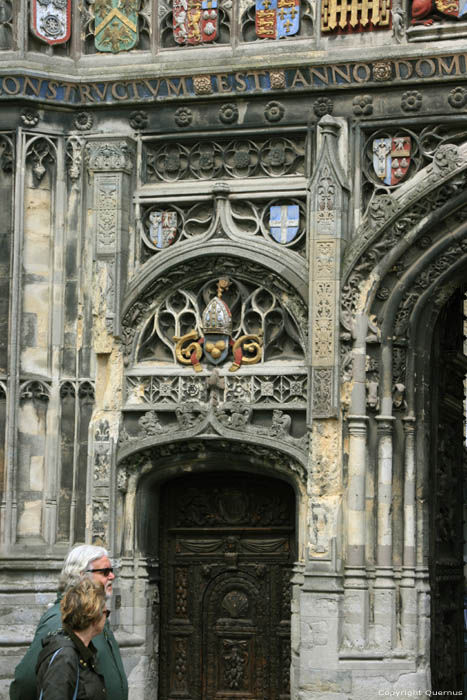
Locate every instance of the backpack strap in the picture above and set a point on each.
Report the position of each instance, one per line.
(75, 694)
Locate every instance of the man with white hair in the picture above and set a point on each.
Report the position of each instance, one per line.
(84, 560)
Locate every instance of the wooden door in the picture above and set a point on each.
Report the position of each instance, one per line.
(227, 546)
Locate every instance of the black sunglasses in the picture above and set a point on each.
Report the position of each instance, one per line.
(104, 572)
(106, 613)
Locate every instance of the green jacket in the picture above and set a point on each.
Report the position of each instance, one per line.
(109, 660)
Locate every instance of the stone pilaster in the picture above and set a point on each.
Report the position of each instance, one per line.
(328, 231)
(111, 164)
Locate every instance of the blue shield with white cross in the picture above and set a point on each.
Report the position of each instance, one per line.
(284, 222)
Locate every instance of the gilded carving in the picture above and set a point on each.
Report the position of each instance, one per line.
(351, 15)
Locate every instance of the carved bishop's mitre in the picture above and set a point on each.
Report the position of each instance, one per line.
(217, 317)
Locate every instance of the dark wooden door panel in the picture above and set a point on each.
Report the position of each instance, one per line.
(227, 546)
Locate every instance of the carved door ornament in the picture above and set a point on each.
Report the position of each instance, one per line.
(217, 341)
(276, 19)
(51, 20)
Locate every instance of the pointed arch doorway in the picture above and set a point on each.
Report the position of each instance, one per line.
(447, 497)
(227, 544)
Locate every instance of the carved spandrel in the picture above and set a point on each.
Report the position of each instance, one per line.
(175, 331)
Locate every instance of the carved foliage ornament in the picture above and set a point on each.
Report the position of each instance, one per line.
(253, 452)
(110, 156)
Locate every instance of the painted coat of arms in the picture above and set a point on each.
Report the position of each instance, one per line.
(194, 21)
(391, 158)
(162, 228)
(116, 25)
(454, 8)
(277, 18)
(51, 20)
(425, 11)
(284, 222)
(216, 343)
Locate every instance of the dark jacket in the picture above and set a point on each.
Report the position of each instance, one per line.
(109, 661)
(58, 678)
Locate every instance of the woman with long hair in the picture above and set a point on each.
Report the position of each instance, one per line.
(66, 668)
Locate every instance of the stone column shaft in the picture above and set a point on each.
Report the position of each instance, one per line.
(356, 518)
(384, 491)
(409, 495)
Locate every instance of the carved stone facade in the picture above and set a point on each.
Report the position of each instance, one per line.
(231, 343)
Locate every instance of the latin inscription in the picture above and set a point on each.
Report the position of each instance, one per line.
(296, 79)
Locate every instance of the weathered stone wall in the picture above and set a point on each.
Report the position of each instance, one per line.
(330, 386)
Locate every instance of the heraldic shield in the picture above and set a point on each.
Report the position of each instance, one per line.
(453, 8)
(195, 21)
(116, 25)
(162, 228)
(276, 19)
(391, 158)
(51, 20)
(284, 222)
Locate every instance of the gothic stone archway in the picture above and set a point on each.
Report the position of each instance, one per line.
(404, 265)
(449, 369)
